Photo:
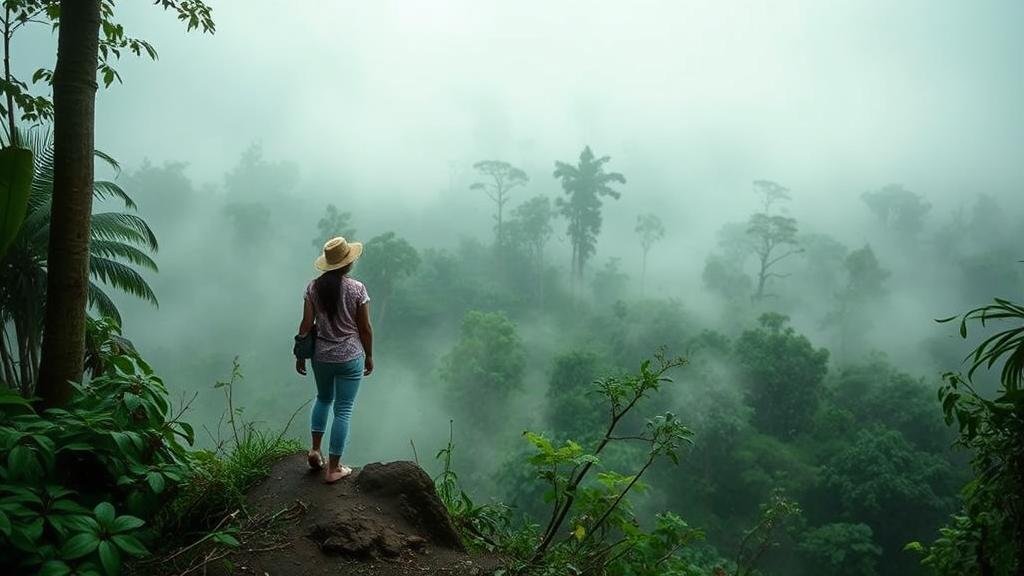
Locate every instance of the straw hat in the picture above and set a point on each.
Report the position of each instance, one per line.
(338, 253)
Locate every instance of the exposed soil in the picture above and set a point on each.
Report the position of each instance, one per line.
(383, 520)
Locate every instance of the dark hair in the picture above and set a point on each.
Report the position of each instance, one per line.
(328, 290)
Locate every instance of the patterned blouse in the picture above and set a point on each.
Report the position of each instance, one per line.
(337, 339)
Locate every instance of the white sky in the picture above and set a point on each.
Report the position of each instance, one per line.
(692, 99)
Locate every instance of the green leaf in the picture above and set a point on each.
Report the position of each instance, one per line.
(79, 545)
(110, 557)
(5, 524)
(34, 530)
(226, 539)
(125, 523)
(54, 568)
(130, 545)
(156, 482)
(67, 506)
(21, 463)
(85, 524)
(16, 168)
(104, 514)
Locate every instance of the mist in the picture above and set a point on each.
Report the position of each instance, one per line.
(233, 145)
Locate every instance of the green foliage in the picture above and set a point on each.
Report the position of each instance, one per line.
(651, 230)
(773, 240)
(113, 40)
(482, 526)
(16, 167)
(610, 283)
(334, 223)
(500, 179)
(116, 445)
(531, 224)
(865, 286)
(484, 368)
(898, 209)
(841, 549)
(603, 529)
(880, 477)
(783, 376)
(875, 392)
(121, 244)
(530, 230)
(776, 513)
(726, 278)
(880, 473)
(988, 534)
(573, 408)
(387, 260)
(584, 185)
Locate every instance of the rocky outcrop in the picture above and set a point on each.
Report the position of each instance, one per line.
(385, 519)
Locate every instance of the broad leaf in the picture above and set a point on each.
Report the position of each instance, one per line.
(79, 545)
(110, 557)
(16, 167)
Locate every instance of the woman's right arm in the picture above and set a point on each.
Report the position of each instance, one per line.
(365, 335)
(305, 325)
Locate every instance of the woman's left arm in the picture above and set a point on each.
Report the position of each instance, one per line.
(304, 327)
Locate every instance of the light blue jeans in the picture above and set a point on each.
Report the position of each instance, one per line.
(336, 383)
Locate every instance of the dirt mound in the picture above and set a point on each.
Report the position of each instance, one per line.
(385, 519)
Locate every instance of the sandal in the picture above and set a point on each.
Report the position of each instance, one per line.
(315, 460)
(344, 472)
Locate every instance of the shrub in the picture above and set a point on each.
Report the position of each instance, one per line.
(79, 483)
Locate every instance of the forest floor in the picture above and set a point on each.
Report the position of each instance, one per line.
(383, 520)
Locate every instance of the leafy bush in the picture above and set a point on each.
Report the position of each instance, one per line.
(604, 534)
(86, 487)
(65, 474)
(987, 536)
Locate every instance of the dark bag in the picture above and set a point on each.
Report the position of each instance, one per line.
(305, 345)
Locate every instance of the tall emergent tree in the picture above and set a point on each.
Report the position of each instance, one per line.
(584, 185)
(74, 103)
(651, 230)
(501, 179)
(775, 240)
(773, 235)
(770, 193)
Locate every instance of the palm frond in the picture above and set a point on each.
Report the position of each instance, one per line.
(1006, 345)
(114, 249)
(99, 300)
(42, 176)
(35, 229)
(122, 277)
(109, 161)
(124, 227)
(103, 189)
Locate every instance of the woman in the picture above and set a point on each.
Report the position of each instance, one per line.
(343, 352)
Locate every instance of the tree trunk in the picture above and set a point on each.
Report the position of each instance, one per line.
(74, 105)
(762, 278)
